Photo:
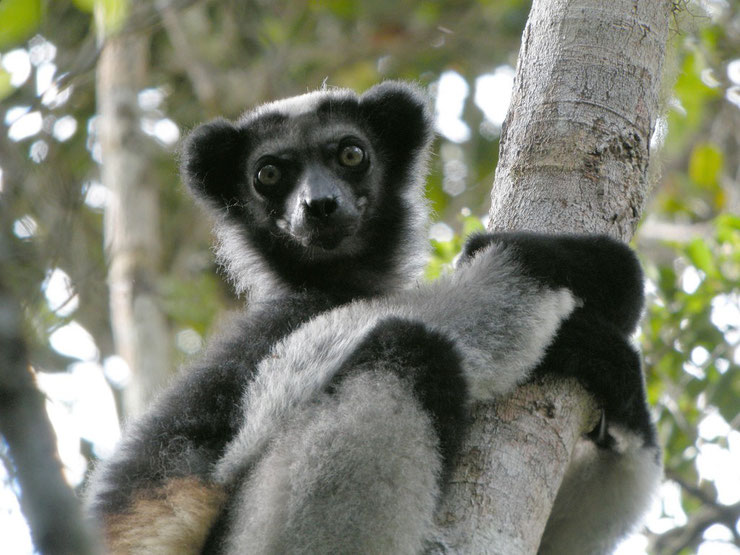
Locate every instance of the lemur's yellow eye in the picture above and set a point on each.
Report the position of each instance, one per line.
(351, 156)
(269, 174)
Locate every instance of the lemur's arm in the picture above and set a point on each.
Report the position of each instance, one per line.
(603, 273)
(367, 399)
(502, 308)
(615, 470)
(605, 277)
(156, 490)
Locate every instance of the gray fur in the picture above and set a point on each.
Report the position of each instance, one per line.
(356, 472)
(501, 321)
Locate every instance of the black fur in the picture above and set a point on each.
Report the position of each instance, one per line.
(605, 274)
(593, 344)
(601, 358)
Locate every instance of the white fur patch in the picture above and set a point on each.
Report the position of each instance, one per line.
(301, 104)
(603, 497)
(245, 267)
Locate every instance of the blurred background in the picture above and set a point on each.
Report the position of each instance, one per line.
(178, 63)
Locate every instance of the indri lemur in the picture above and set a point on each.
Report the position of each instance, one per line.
(328, 419)
(318, 200)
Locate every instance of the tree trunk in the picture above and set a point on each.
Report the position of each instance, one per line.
(573, 158)
(132, 231)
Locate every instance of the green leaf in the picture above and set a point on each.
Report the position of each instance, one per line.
(113, 14)
(471, 224)
(728, 228)
(434, 268)
(694, 97)
(730, 221)
(5, 87)
(346, 9)
(85, 5)
(667, 282)
(18, 20)
(725, 395)
(436, 195)
(446, 250)
(274, 31)
(705, 165)
(701, 256)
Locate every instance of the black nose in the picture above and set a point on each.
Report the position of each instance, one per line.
(321, 208)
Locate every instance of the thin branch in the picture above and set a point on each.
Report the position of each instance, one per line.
(691, 489)
(198, 73)
(690, 535)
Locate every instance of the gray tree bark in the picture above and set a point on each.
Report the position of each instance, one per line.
(573, 158)
(132, 232)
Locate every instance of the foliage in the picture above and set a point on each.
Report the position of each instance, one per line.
(21, 17)
(211, 57)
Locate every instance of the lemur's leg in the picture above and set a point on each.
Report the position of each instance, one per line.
(359, 470)
(616, 469)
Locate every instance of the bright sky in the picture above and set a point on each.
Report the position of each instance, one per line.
(80, 400)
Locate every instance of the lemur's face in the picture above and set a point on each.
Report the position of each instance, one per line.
(319, 177)
(310, 178)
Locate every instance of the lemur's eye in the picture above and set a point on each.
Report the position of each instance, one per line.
(269, 174)
(351, 156)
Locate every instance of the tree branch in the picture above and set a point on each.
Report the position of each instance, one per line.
(47, 501)
(690, 535)
(506, 447)
(573, 157)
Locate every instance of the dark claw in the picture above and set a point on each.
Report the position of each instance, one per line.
(600, 434)
(602, 428)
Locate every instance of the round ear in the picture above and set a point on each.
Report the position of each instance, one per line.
(211, 162)
(398, 114)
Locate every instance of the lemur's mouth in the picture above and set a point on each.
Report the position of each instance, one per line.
(326, 243)
(317, 236)
(328, 239)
